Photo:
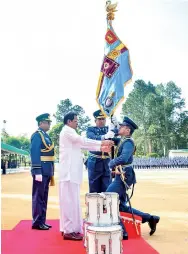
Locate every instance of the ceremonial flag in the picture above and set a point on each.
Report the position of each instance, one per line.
(115, 73)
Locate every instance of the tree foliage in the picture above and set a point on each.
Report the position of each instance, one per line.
(64, 107)
(159, 112)
(54, 133)
(21, 142)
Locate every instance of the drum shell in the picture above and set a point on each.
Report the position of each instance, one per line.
(102, 211)
(104, 239)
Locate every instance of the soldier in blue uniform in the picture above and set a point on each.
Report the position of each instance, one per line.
(122, 163)
(42, 170)
(97, 162)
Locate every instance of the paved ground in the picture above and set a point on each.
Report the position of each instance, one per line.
(163, 193)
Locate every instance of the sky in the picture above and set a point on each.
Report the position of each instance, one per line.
(53, 50)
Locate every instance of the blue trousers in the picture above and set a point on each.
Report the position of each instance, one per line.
(40, 200)
(118, 186)
(99, 175)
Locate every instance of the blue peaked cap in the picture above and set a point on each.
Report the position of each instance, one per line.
(43, 117)
(98, 114)
(128, 122)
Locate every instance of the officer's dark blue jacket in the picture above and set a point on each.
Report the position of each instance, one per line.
(97, 133)
(124, 156)
(42, 152)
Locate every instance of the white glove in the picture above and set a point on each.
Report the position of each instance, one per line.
(109, 134)
(111, 126)
(38, 178)
(115, 121)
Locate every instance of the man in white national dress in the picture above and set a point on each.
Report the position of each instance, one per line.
(71, 174)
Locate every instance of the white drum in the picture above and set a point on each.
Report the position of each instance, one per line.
(102, 208)
(104, 240)
(85, 226)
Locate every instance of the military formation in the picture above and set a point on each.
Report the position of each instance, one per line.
(160, 163)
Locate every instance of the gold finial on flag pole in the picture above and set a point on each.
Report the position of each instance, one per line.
(110, 8)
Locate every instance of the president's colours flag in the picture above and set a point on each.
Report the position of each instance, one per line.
(115, 73)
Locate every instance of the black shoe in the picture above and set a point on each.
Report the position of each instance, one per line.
(72, 236)
(125, 236)
(49, 226)
(153, 224)
(40, 227)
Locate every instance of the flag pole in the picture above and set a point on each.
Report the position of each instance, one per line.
(111, 9)
(116, 70)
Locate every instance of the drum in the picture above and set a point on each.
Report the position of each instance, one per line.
(85, 226)
(104, 240)
(102, 208)
(129, 224)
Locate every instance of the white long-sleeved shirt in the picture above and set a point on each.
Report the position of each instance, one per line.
(70, 155)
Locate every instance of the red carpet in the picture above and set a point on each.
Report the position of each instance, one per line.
(23, 240)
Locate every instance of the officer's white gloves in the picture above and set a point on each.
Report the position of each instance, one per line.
(109, 134)
(115, 121)
(38, 178)
(111, 126)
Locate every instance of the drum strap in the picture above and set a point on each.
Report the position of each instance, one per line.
(132, 192)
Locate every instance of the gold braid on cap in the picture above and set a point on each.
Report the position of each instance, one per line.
(110, 8)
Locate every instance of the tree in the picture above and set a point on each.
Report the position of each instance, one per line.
(21, 142)
(180, 139)
(158, 111)
(54, 133)
(136, 107)
(66, 106)
(25, 143)
(4, 133)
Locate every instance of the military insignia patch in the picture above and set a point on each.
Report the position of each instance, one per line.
(109, 66)
(110, 37)
(113, 54)
(108, 102)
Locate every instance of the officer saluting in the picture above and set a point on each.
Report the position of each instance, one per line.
(42, 170)
(97, 163)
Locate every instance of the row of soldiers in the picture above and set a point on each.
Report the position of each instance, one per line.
(163, 162)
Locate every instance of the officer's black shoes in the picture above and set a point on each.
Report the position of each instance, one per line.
(153, 224)
(49, 226)
(125, 236)
(40, 227)
(73, 237)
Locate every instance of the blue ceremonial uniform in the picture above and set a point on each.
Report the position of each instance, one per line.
(97, 163)
(42, 163)
(124, 153)
(124, 158)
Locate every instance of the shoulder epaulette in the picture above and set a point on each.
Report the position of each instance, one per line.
(91, 127)
(34, 134)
